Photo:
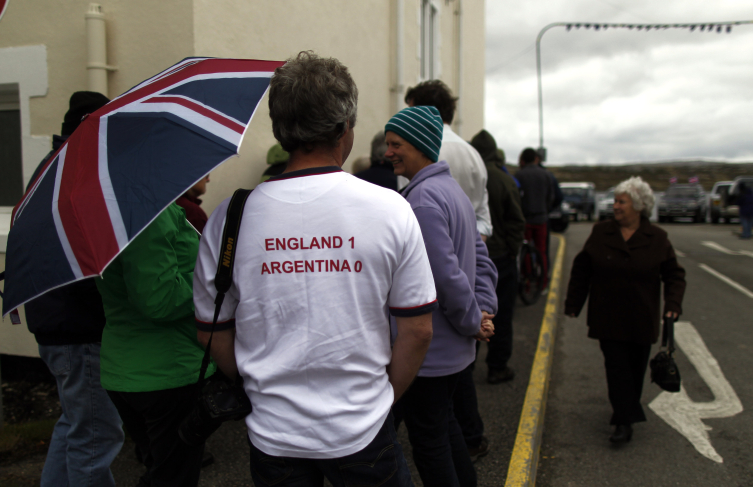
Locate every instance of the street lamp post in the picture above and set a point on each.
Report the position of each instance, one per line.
(706, 26)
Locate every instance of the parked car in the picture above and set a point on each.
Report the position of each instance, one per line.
(733, 210)
(606, 205)
(559, 218)
(718, 201)
(581, 198)
(683, 200)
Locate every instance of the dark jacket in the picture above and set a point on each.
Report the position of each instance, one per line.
(508, 222)
(622, 281)
(68, 315)
(538, 194)
(745, 200)
(381, 174)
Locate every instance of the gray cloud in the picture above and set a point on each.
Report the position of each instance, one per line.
(619, 95)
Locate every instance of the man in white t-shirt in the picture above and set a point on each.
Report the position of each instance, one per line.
(466, 165)
(322, 259)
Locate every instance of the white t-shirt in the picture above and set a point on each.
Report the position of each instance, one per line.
(322, 259)
(468, 169)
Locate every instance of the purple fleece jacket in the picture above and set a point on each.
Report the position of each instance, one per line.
(464, 275)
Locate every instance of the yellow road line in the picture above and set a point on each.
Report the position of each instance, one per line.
(525, 453)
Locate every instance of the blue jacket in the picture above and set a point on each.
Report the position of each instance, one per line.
(464, 275)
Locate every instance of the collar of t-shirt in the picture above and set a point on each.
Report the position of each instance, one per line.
(311, 171)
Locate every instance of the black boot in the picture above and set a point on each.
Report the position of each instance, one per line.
(622, 433)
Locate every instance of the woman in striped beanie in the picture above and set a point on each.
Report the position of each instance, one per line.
(465, 279)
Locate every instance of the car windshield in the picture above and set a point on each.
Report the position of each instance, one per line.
(579, 192)
(675, 191)
(722, 188)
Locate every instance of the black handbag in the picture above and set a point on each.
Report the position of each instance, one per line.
(664, 370)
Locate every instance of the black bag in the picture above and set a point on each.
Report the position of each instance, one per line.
(219, 398)
(664, 370)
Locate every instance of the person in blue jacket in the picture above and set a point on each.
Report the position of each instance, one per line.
(465, 279)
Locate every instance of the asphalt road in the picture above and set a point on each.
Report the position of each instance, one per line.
(499, 405)
(575, 449)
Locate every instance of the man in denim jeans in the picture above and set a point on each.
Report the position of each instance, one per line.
(67, 323)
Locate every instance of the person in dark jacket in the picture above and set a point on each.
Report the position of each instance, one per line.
(537, 198)
(67, 323)
(190, 202)
(380, 172)
(508, 224)
(745, 202)
(620, 270)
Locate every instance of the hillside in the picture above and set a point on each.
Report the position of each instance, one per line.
(657, 175)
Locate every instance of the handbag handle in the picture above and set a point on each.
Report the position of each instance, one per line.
(223, 279)
(668, 334)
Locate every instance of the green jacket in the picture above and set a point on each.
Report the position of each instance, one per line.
(149, 342)
(508, 222)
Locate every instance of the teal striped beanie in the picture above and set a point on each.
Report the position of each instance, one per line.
(421, 126)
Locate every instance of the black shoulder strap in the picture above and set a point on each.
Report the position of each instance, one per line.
(223, 279)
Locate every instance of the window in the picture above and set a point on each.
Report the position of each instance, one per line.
(429, 32)
(11, 162)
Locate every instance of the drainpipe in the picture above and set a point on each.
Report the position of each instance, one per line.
(459, 94)
(399, 50)
(96, 65)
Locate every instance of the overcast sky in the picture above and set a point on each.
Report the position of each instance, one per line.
(621, 95)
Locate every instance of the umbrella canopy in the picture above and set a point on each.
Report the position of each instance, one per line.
(124, 164)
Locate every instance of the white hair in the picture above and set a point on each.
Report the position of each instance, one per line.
(640, 192)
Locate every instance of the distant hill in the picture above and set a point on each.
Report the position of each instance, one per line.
(656, 174)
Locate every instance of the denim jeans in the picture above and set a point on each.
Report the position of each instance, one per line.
(88, 435)
(746, 221)
(465, 408)
(381, 463)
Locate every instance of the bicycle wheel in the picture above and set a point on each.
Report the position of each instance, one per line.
(531, 274)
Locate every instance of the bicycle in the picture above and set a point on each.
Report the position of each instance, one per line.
(531, 273)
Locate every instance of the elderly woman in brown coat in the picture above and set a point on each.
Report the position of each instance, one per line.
(621, 269)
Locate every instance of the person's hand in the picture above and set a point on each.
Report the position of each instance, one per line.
(486, 331)
(672, 314)
(486, 316)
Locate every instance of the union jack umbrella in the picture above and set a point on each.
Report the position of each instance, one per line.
(123, 165)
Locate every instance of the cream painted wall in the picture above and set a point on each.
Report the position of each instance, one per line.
(355, 32)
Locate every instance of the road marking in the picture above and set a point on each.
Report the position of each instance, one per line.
(524, 460)
(716, 246)
(685, 415)
(726, 279)
(746, 252)
(679, 253)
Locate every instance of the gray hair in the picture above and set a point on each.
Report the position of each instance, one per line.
(378, 148)
(312, 101)
(640, 192)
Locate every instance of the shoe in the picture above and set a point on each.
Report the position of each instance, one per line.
(207, 459)
(496, 376)
(481, 450)
(622, 433)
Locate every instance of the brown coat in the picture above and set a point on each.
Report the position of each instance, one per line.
(624, 282)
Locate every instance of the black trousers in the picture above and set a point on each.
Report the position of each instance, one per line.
(465, 407)
(152, 419)
(439, 451)
(625, 363)
(500, 344)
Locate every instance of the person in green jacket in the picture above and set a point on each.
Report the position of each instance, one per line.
(508, 224)
(150, 356)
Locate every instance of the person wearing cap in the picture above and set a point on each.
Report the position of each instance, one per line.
(465, 279)
(465, 163)
(380, 172)
(67, 323)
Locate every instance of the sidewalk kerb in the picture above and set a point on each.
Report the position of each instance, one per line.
(525, 454)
